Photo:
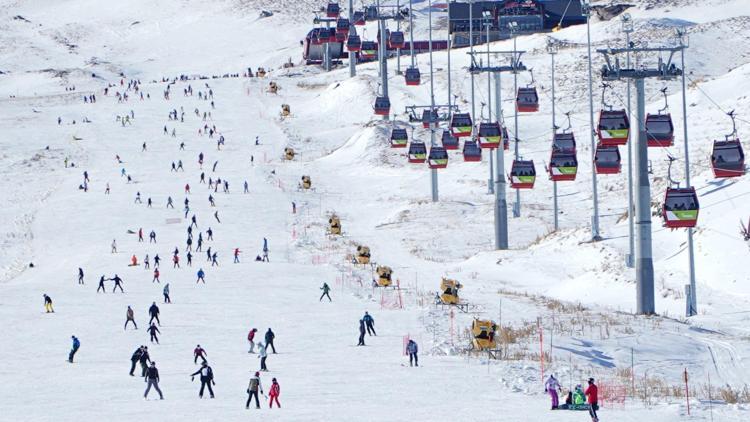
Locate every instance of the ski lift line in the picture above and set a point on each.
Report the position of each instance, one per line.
(697, 86)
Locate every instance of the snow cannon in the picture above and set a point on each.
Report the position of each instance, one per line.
(289, 153)
(384, 276)
(273, 88)
(483, 332)
(334, 225)
(261, 73)
(285, 110)
(449, 289)
(306, 182)
(363, 255)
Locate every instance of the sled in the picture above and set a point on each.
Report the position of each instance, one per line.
(584, 407)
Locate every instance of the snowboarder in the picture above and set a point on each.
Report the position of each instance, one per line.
(48, 303)
(207, 378)
(361, 333)
(156, 276)
(80, 275)
(201, 276)
(154, 312)
(325, 290)
(199, 352)
(76, 346)
(592, 393)
(369, 322)
(152, 378)
(118, 282)
(129, 317)
(167, 299)
(250, 339)
(273, 394)
(412, 350)
(262, 354)
(551, 387)
(134, 359)
(269, 337)
(252, 390)
(152, 330)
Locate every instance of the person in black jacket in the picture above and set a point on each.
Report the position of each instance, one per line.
(269, 340)
(361, 333)
(153, 330)
(154, 312)
(134, 359)
(207, 378)
(144, 360)
(152, 378)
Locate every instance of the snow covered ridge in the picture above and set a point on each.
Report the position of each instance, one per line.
(577, 294)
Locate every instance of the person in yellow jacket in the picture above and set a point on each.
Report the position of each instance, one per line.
(48, 304)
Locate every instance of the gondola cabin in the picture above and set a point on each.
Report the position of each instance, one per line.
(412, 76)
(564, 142)
(342, 29)
(613, 128)
(429, 117)
(471, 151)
(306, 182)
(527, 100)
(363, 255)
(358, 18)
(449, 291)
(417, 152)
(325, 35)
(563, 166)
(680, 208)
(354, 43)
(438, 158)
(382, 106)
(333, 10)
(289, 153)
(369, 50)
(385, 276)
(334, 225)
(461, 124)
(659, 130)
(371, 13)
(522, 174)
(399, 138)
(396, 40)
(484, 332)
(728, 159)
(449, 141)
(489, 135)
(607, 159)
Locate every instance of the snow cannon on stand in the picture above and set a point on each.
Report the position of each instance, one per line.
(306, 183)
(273, 88)
(363, 255)
(334, 225)
(384, 276)
(261, 73)
(483, 333)
(449, 289)
(285, 110)
(289, 153)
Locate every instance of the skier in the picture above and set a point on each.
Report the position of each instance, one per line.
(270, 336)
(247, 190)
(294, 208)
(199, 352)
(325, 290)
(146, 263)
(80, 275)
(216, 216)
(250, 339)
(214, 259)
(101, 285)
(175, 261)
(207, 378)
(201, 276)
(149, 202)
(369, 322)
(140, 234)
(412, 349)
(274, 394)
(361, 333)
(76, 346)
(252, 390)
(138, 198)
(551, 387)
(152, 237)
(236, 255)
(48, 303)
(189, 259)
(262, 354)
(592, 393)
(154, 312)
(144, 360)
(169, 202)
(134, 359)
(114, 246)
(165, 291)
(117, 281)
(152, 378)
(156, 276)
(194, 222)
(153, 330)
(129, 317)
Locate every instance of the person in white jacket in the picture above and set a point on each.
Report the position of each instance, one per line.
(552, 387)
(262, 355)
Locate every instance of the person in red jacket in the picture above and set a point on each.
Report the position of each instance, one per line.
(199, 352)
(592, 392)
(251, 338)
(156, 276)
(274, 394)
(176, 261)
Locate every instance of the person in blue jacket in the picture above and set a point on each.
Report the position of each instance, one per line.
(76, 346)
(412, 349)
(370, 323)
(201, 276)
